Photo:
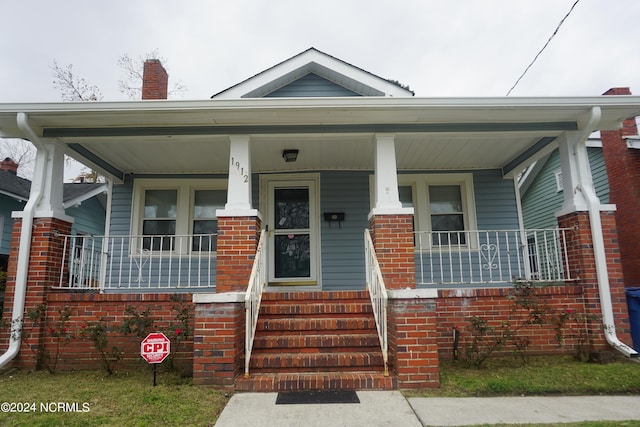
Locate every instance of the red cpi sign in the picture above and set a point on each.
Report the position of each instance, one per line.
(155, 347)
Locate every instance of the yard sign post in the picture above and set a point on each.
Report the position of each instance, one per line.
(154, 349)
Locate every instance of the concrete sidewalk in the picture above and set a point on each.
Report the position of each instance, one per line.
(390, 408)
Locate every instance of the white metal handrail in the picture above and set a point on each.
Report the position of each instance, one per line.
(492, 256)
(138, 262)
(253, 297)
(378, 295)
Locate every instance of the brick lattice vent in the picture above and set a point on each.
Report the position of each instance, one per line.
(316, 341)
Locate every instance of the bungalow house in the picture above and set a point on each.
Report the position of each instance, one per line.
(330, 229)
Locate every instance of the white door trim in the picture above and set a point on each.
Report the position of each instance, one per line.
(312, 180)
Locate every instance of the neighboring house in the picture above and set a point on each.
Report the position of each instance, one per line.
(85, 202)
(330, 229)
(541, 187)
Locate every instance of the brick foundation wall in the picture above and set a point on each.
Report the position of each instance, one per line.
(392, 237)
(218, 348)
(78, 353)
(456, 307)
(238, 239)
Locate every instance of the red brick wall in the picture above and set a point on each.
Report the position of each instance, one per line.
(623, 170)
(413, 348)
(45, 264)
(456, 307)
(392, 237)
(218, 349)
(237, 243)
(80, 353)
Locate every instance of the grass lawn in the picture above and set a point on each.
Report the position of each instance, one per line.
(125, 399)
(129, 399)
(540, 376)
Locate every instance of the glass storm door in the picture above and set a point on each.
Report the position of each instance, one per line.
(292, 233)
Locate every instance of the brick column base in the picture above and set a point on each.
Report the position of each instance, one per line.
(413, 348)
(392, 237)
(583, 267)
(237, 243)
(218, 343)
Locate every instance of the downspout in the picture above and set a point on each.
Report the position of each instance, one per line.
(26, 232)
(602, 274)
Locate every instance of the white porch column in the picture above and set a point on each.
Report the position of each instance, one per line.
(48, 182)
(577, 182)
(51, 203)
(387, 199)
(239, 185)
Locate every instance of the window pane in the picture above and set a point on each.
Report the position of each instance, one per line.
(445, 229)
(406, 196)
(202, 239)
(206, 202)
(445, 199)
(291, 208)
(158, 227)
(292, 256)
(160, 203)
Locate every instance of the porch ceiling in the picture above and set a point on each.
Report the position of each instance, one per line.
(192, 137)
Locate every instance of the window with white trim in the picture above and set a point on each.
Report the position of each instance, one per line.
(176, 215)
(444, 208)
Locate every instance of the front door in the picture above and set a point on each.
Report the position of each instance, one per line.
(293, 232)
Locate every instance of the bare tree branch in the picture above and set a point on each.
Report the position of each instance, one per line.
(72, 87)
(131, 84)
(20, 151)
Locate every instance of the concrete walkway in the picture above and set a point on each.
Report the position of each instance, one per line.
(391, 408)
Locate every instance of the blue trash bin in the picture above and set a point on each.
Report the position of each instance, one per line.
(633, 304)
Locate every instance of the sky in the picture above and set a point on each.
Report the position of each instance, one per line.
(440, 48)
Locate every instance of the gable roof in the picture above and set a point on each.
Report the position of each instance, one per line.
(313, 61)
(19, 188)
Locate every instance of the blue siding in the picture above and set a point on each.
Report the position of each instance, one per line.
(342, 245)
(542, 200)
(7, 205)
(496, 209)
(89, 217)
(311, 85)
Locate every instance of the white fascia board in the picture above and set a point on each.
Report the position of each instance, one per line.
(306, 60)
(99, 189)
(633, 142)
(613, 108)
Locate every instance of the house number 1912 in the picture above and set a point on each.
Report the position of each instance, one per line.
(240, 168)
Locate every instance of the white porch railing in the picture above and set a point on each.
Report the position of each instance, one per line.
(138, 262)
(253, 297)
(379, 297)
(495, 256)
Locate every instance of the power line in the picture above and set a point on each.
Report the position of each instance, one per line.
(543, 47)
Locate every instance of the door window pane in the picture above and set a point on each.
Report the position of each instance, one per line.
(292, 255)
(291, 208)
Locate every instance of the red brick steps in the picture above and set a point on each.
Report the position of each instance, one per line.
(316, 340)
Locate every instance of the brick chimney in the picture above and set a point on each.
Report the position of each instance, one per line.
(154, 80)
(9, 165)
(623, 170)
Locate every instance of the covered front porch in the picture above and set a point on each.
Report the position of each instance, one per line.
(203, 201)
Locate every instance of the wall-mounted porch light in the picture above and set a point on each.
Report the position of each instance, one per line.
(290, 155)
